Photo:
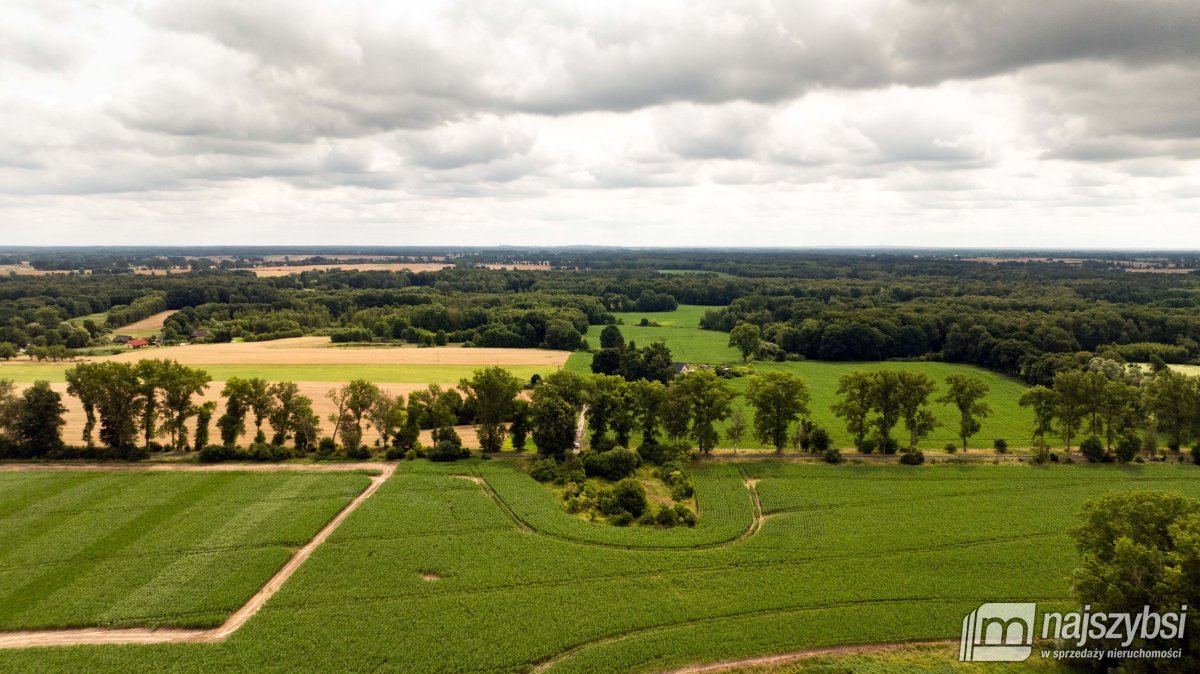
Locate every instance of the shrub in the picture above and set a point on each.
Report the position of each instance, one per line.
(652, 451)
(360, 452)
(446, 450)
(1196, 454)
(326, 446)
(913, 458)
(685, 515)
(950, 448)
(394, 454)
(261, 451)
(350, 335)
(622, 519)
(818, 440)
(446, 434)
(545, 470)
(1092, 449)
(1127, 447)
(411, 455)
(868, 446)
(217, 454)
(615, 464)
(667, 517)
(889, 445)
(571, 470)
(1000, 445)
(630, 496)
(681, 491)
(833, 455)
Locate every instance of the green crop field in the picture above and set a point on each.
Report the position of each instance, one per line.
(437, 573)
(689, 344)
(151, 548)
(23, 372)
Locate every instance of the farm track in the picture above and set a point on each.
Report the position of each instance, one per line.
(550, 663)
(108, 636)
(793, 656)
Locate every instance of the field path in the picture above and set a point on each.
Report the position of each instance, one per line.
(100, 635)
(782, 658)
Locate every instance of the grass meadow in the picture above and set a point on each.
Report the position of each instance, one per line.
(689, 344)
(182, 549)
(436, 573)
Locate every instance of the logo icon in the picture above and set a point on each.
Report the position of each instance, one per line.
(998, 632)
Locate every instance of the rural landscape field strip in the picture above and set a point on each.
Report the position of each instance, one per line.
(431, 557)
(51, 637)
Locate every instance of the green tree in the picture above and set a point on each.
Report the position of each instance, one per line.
(737, 427)
(1117, 410)
(1073, 402)
(518, 429)
(709, 401)
(492, 390)
(611, 338)
(204, 415)
(1043, 402)
(352, 400)
(179, 384)
(39, 420)
(967, 395)
(554, 422)
(779, 399)
(238, 393)
(386, 416)
(112, 392)
(854, 404)
(259, 401)
(1171, 397)
(1141, 549)
(647, 398)
(884, 396)
(149, 376)
(913, 398)
(83, 383)
(676, 413)
(745, 337)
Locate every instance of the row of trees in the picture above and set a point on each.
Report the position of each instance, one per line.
(1111, 404)
(873, 403)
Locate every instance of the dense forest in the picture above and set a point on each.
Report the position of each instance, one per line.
(1024, 318)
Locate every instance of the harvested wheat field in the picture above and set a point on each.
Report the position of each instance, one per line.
(146, 326)
(285, 270)
(319, 351)
(522, 266)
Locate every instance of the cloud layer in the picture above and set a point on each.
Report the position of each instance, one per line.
(922, 122)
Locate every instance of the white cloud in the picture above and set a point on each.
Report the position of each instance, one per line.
(694, 122)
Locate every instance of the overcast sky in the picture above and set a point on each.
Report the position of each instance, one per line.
(801, 122)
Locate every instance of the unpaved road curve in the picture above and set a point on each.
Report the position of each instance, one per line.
(781, 658)
(99, 635)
